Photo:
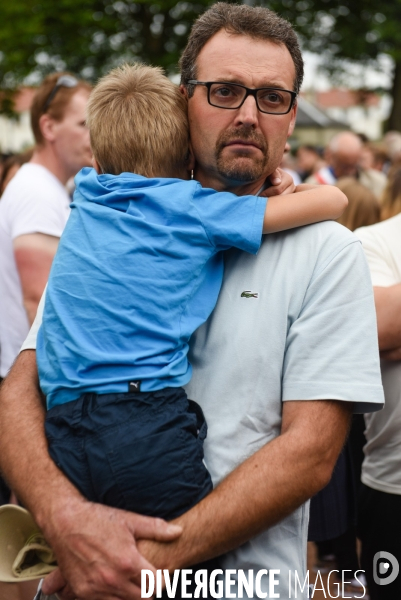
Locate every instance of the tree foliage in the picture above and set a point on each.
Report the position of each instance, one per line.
(87, 37)
(359, 32)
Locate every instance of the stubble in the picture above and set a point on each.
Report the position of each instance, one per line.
(242, 167)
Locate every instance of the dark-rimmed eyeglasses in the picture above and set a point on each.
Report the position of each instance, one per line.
(63, 81)
(269, 100)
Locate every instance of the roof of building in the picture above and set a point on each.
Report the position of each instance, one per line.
(343, 98)
(309, 115)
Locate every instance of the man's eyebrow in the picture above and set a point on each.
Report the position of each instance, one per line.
(231, 79)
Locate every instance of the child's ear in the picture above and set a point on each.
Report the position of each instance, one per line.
(191, 158)
(96, 166)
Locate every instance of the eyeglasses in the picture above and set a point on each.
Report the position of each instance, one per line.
(269, 100)
(63, 81)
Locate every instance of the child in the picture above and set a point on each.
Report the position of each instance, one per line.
(138, 269)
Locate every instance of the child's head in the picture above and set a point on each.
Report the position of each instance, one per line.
(137, 120)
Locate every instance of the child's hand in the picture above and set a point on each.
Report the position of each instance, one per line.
(280, 183)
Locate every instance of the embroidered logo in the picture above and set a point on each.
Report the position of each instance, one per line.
(249, 294)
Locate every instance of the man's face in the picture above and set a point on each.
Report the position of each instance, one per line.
(243, 146)
(306, 159)
(345, 163)
(71, 136)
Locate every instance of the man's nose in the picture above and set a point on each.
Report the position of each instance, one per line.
(350, 169)
(248, 113)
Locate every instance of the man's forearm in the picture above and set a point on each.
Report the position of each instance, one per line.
(264, 489)
(388, 311)
(24, 458)
(34, 255)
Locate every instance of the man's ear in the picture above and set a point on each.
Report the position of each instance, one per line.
(46, 125)
(293, 119)
(96, 166)
(184, 91)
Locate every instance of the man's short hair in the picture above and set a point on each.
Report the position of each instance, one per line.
(59, 103)
(253, 21)
(137, 121)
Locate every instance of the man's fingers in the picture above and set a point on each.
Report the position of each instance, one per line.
(130, 590)
(53, 583)
(154, 529)
(281, 183)
(275, 177)
(65, 594)
(101, 560)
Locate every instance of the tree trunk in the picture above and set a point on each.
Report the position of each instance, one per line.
(394, 122)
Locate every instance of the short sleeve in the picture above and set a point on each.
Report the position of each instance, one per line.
(41, 210)
(379, 259)
(332, 344)
(230, 220)
(30, 342)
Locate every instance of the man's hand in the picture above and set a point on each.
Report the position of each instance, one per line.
(97, 552)
(280, 183)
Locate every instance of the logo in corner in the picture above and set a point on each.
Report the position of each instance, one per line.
(385, 568)
(249, 294)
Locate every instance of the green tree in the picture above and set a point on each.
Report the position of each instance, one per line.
(360, 32)
(90, 36)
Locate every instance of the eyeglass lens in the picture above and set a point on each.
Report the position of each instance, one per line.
(224, 95)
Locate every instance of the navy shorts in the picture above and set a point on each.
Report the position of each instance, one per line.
(140, 451)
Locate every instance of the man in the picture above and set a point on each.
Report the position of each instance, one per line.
(287, 327)
(380, 500)
(343, 155)
(308, 160)
(35, 206)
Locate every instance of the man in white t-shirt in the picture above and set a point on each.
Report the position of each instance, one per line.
(35, 205)
(380, 502)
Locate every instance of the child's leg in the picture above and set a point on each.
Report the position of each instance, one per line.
(138, 451)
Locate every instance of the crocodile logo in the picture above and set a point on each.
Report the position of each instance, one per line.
(249, 294)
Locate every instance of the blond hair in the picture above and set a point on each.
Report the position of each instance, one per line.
(137, 120)
(391, 197)
(363, 207)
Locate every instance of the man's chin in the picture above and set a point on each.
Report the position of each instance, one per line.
(242, 170)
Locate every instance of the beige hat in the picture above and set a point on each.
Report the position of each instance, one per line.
(24, 553)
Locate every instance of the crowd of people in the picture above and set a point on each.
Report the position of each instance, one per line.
(287, 371)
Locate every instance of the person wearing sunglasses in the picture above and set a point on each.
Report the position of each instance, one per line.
(35, 206)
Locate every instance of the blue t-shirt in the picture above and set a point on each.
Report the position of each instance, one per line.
(138, 269)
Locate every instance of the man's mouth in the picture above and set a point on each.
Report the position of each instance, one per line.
(242, 143)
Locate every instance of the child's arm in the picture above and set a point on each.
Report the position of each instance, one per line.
(309, 204)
